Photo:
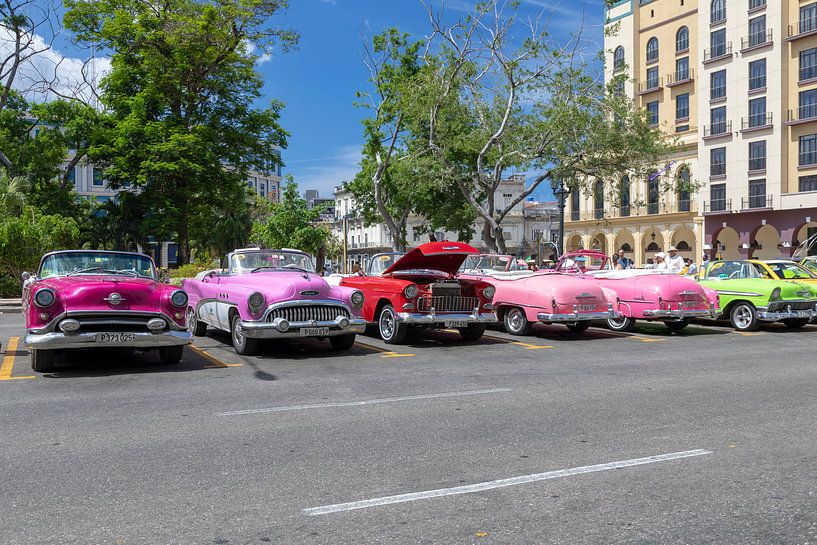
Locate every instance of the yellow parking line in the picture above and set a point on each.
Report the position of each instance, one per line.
(217, 363)
(8, 361)
(646, 339)
(383, 352)
(527, 346)
(745, 334)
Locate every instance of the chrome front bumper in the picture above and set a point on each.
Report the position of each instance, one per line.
(59, 340)
(577, 316)
(281, 329)
(664, 314)
(434, 318)
(766, 316)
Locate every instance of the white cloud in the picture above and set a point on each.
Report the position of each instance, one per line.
(325, 173)
(250, 49)
(333, 2)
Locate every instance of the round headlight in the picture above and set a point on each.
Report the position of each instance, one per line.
(44, 298)
(489, 292)
(178, 298)
(357, 299)
(776, 295)
(411, 291)
(256, 302)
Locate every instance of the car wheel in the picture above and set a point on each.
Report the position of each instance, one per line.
(241, 343)
(516, 323)
(391, 331)
(622, 323)
(796, 323)
(744, 317)
(198, 329)
(676, 325)
(42, 361)
(342, 342)
(473, 332)
(171, 355)
(578, 327)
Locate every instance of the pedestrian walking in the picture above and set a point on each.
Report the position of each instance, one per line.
(675, 263)
(660, 261)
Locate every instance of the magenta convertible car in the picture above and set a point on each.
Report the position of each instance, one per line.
(272, 294)
(101, 299)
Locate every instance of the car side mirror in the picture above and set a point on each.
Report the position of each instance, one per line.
(25, 276)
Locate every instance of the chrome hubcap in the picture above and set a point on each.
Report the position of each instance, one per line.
(386, 324)
(238, 334)
(191, 319)
(515, 320)
(618, 322)
(743, 317)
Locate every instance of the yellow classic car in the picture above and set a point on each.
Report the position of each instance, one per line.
(781, 269)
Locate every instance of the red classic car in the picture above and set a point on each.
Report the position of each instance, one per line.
(418, 289)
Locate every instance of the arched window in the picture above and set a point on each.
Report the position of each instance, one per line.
(683, 189)
(682, 39)
(624, 196)
(683, 246)
(618, 58)
(717, 11)
(653, 247)
(652, 193)
(598, 200)
(652, 49)
(626, 247)
(575, 212)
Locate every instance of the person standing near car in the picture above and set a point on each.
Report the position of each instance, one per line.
(660, 261)
(675, 263)
(623, 261)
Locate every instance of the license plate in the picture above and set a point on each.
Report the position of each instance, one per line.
(456, 324)
(116, 338)
(587, 308)
(314, 331)
(687, 305)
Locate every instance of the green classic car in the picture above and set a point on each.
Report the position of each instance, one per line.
(747, 298)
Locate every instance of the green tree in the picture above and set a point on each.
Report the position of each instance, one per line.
(12, 194)
(181, 92)
(25, 238)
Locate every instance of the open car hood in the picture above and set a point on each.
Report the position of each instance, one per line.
(439, 256)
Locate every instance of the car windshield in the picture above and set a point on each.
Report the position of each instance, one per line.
(270, 260)
(722, 270)
(810, 263)
(87, 263)
(788, 271)
(491, 263)
(381, 262)
(583, 263)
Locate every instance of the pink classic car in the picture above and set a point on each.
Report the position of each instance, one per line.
(644, 294)
(272, 294)
(101, 299)
(525, 297)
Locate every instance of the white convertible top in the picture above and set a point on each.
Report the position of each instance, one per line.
(334, 279)
(499, 275)
(626, 273)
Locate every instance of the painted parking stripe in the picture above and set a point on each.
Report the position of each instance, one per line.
(384, 353)
(646, 339)
(215, 363)
(362, 403)
(7, 366)
(502, 483)
(526, 346)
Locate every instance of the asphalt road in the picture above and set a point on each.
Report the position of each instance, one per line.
(289, 446)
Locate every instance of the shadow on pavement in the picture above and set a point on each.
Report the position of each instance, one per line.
(107, 362)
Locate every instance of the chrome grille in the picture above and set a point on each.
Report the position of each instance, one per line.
(112, 322)
(447, 304)
(795, 305)
(307, 313)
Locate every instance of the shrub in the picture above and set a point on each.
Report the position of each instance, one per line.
(10, 287)
(187, 271)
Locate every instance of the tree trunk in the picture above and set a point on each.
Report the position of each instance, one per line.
(183, 243)
(500, 241)
(320, 258)
(488, 237)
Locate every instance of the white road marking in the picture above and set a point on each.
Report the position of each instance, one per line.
(490, 485)
(361, 403)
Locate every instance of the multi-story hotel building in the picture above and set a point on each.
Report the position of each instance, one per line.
(736, 82)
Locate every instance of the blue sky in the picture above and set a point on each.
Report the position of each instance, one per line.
(318, 81)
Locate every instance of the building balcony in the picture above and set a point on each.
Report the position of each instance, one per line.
(635, 210)
(803, 114)
(756, 122)
(719, 52)
(717, 205)
(679, 77)
(718, 130)
(650, 86)
(803, 29)
(756, 40)
(757, 201)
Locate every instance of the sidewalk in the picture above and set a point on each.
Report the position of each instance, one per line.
(10, 306)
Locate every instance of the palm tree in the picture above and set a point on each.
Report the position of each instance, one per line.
(12, 195)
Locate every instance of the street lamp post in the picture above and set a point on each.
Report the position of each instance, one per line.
(560, 192)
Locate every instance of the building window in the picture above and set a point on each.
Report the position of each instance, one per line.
(72, 176)
(717, 117)
(652, 77)
(598, 200)
(262, 189)
(652, 193)
(652, 111)
(575, 212)
(683, 189)
(717, 11)
(618, 58)
(757, 193)
(808, 104)
(808, 183)
(717, 81)
(757, 112)
(757, 74)
(682, 106)
(652, 49)
(717, 197)
(717, 161)
(98, 181)
(757, 31)
(754, 4)
(808, 150)
(808, 18)
(682, 39)
(717, 43)
(682, 69)
(808, 64)
(624, 196)
(757, 155)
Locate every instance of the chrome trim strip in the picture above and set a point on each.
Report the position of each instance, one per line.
(268, 330)
(57, 341)
(741, 293)
(52, 325)
(434, 318)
